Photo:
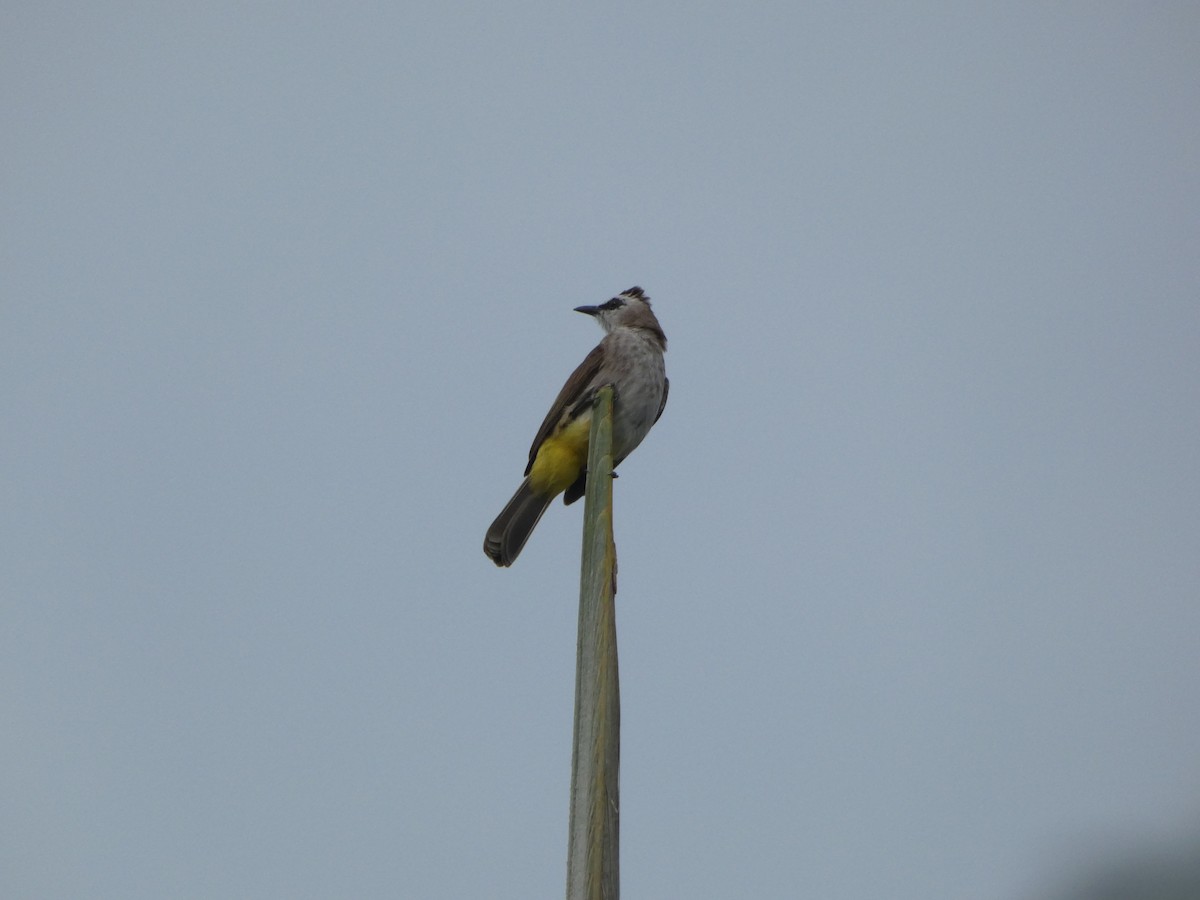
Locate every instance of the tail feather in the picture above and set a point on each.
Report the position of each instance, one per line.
(516, 522)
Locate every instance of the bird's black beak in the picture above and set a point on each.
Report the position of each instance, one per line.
(588, 310)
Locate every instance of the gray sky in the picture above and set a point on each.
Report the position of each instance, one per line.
(909, 568)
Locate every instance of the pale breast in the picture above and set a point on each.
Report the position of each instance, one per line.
(638, 372)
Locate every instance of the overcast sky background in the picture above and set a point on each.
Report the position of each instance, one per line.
(910, 568)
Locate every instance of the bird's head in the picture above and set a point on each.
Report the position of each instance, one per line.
(629, 309)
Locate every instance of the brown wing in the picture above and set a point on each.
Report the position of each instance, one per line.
(568, 398)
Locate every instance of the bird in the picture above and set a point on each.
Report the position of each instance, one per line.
(630, 358)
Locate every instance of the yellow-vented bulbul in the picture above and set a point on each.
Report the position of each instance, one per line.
(630, 358)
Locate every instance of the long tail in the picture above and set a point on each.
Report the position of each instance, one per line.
(515, 523)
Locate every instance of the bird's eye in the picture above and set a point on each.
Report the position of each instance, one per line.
(614, 303)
